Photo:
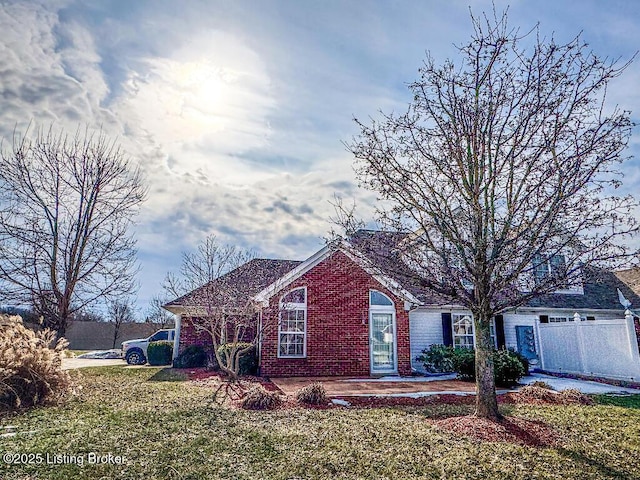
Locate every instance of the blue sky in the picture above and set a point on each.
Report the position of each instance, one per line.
(236, 111)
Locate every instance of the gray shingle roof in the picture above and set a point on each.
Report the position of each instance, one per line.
(243, 282)
(383, 249)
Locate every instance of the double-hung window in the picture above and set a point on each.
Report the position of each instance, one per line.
(463, 331)
(292, 324)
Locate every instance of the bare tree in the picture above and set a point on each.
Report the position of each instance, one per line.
(217, 299)
(66, 209)
(119, 312)
(503, 167)
(158, 316)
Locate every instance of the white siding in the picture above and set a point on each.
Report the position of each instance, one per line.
(511, 321)
(425, 329)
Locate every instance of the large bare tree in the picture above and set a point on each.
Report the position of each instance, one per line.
(503, 166)
(217, 300)
(67, 206)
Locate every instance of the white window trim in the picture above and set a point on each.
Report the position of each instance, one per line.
(473, 329)
(383, 309)
(293, 306)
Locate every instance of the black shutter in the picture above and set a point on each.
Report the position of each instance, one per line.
(544, 318)
(500, 331)
(447, 333)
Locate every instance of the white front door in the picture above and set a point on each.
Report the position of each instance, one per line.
(382, 341)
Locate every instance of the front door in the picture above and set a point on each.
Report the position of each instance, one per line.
(383, 343)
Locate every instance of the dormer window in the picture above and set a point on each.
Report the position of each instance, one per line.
(550, 266)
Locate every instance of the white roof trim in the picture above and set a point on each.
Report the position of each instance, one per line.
(286, 280)
(266, 293)
(388, 282)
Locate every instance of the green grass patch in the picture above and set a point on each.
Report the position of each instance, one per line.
(626, 401)
(168, 428)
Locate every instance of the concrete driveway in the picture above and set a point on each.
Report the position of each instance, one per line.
(71, 363)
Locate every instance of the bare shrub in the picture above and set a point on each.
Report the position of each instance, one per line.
(257, 398)
(540, 395)
(541, 384)
(30, 365)
(573, 395)
(536, 394)
(312, 394)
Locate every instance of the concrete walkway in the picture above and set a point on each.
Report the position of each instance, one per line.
(422, 386)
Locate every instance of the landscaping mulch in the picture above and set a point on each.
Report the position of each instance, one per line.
(515, 430)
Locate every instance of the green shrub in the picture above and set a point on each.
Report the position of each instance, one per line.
(464, 363)
(257, 398)
(508, 368)
(248, 361)
(30, 365)
(191, 357)
(160, 353)
(437, 359)
(523, 360)
(312, 394)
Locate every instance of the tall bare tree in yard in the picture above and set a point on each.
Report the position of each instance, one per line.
(217, 300)
(504, 167)
(66, 209)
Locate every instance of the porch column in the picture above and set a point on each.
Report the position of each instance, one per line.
(176, 339)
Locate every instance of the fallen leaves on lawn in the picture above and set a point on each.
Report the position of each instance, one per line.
(515, 430)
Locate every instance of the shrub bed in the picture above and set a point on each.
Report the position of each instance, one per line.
(437, 359)
(509, 366)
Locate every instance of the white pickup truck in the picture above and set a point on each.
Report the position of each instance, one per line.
(135, 351)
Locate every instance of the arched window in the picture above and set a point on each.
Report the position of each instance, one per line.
(379, 299)
(292, 324)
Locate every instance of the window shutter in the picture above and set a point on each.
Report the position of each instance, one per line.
(447, 333)
(499, 320)
(544, 318)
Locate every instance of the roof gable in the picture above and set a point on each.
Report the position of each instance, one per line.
(354, 255)
(242, 283)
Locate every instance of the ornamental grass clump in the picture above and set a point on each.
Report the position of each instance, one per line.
(312, 394)
(573, 395)
(30, 365)
(257, 398)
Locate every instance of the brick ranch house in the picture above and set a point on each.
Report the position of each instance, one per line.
(341, 313)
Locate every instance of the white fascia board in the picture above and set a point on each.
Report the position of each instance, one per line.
(175, 309)
(265, 294)
(566, 310)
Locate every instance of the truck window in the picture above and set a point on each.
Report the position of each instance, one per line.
(161, 335)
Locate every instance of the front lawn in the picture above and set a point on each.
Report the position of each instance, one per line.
(166, 427)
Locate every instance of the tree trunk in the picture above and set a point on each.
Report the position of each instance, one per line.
(486, 401)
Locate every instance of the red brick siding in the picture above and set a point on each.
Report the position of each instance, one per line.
(189, 335)
(337, 324)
